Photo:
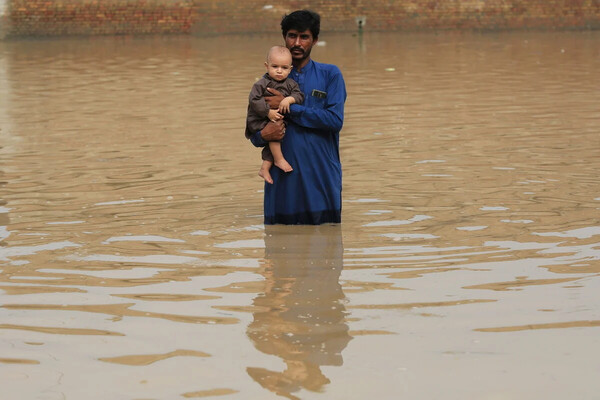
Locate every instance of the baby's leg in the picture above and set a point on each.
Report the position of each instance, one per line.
(280, 161)
(264, 171)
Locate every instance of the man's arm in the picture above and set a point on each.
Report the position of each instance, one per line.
(274, 100)
(331, 117)
(273, 131)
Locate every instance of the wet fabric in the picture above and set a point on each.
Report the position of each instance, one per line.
(312, 192)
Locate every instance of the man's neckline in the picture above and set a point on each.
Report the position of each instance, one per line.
(310, 61)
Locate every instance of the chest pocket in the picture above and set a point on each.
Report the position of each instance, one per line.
(317, 99)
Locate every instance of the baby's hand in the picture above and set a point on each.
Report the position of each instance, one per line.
(274, 115)
(284, 106)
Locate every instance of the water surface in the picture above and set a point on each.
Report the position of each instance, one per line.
(134, 263)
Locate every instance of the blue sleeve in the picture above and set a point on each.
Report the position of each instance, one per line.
(257, 140)
(331, 116)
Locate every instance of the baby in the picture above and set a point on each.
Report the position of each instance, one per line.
(279, 66)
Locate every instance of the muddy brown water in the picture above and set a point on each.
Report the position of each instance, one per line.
(135, 265)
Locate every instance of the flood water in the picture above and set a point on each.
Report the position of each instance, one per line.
(134, 263)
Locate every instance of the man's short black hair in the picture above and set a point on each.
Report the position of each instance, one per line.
(302, 20)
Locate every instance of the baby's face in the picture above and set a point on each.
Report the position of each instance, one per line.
(279, 65)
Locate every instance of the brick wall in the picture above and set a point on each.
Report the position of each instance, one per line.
(203, 17)
(97, 17)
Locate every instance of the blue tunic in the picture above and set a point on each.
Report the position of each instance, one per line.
(312, 192)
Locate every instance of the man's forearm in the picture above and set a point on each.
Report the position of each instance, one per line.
(331, 119)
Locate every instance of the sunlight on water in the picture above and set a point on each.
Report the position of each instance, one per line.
(133, 254)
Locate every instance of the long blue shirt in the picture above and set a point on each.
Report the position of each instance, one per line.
(312, 192)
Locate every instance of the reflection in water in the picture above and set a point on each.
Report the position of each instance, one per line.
(60, 331)
(131, 242)
(17, 361)
(558, 325)
(303, 302)
(146, 359)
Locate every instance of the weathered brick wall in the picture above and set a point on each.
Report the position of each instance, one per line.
(97, 17)
(102, 17)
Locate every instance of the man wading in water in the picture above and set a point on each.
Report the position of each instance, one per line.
(312, 192)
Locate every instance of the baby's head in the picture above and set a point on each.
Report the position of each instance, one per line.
(279, 63)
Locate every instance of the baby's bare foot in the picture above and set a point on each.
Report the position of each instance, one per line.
(266, 175)
(284, 165)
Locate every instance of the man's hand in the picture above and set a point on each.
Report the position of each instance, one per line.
(274, 100)
(273, 131)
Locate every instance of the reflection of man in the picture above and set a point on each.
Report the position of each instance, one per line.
(300, 316)
(312, 192)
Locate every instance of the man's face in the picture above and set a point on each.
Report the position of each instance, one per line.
(300, 44)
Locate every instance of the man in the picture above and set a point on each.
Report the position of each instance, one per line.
(312, 192)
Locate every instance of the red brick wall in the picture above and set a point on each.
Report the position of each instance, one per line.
(97, 17)
(90, 17)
